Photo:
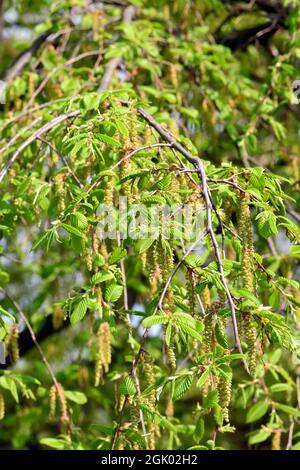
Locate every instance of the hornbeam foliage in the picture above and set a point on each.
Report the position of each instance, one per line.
(150, 340)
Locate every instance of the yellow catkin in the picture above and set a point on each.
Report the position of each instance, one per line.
(149, 374)
(153, 267)
(169, 407)
(224, 389)
(103, 356)
(60, 189)
(95, 242)
(64, 416)
(121, 442)
(168, 306)
(171, 354)
(14, 344)
(245, 232)
(276, 440)
(109, 191)
(134, 128)
(147, 136)
(191, 293)
(174, 189)
(103, 250)
(126, 188)
(2, 407)
(205, 298)
(166, 264)
(88, 257)
(52, 401)
(209, 340)
(121, 403)
(134, 420)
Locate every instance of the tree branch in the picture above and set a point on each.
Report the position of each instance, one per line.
(199, 167)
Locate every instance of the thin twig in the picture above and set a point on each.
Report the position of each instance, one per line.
(63, 158)
(56, 69)
(47, 127)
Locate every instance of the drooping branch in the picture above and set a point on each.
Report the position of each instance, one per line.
(45, 128)
(25, 57)
(199, 167)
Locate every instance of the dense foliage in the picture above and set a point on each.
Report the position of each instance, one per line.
(150, 342)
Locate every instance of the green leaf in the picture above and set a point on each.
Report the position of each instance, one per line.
(190, 331)
(108, 140)
(77, 397)
(211, 399)
(154, 320)
(117, 255)
(257, 411)
(73, 230)
(267, 224)
(127, 387)
(113, 293)
(259, 436)
(199, 430)
(102, 277)
(79, 311)
(182, 386)
(58, 444)
(203, 378)
(287, 409)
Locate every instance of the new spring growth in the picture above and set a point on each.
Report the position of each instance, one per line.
(103, 355)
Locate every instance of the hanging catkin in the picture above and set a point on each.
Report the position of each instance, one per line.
(2, 407)
(245, 232)
(276, 439)
(15, 343)
(103, 355)
(191, 292)
(149, 373)
(52, 401)
(60, 190)
(224, 389)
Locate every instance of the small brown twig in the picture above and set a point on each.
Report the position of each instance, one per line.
(63, 158)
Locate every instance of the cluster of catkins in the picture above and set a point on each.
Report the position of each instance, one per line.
(56, 393)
